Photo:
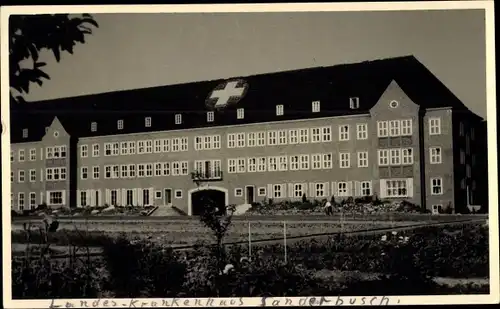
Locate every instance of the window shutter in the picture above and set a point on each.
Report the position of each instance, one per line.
(349, 188)
(335, 191)
(283, 194)
(326, 186)
(92, 198)
(123, 197)
(312, 192)
(290, 190)
(134, 196)
(383, 190)
(78, 198)
(151, 196)
(89, 200)
(140, 197)
(41, 197)
(410, 187)
(357, 188)
(304, 186)
(270, 191)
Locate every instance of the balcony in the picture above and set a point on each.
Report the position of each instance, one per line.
(206, 175)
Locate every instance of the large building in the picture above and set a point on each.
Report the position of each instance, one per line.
(388, 128)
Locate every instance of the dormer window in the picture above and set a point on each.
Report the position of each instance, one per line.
(315, 107)
(354, 103)
(93, 126)
(25, 133)
(279, 110)
(178, 118)
(147, 122)
(210, 116)
(240, 113)
(120, 124)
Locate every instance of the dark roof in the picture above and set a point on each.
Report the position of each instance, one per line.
(296, 89)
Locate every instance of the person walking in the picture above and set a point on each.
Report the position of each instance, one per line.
(328, 208)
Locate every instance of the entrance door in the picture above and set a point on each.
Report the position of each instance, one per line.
(208, 199)
(168, 197)
(97, 198)
(250, 195)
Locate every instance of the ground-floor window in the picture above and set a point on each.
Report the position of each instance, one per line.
(298, 190)
(20, 201)
(32, 200)
(158, 194)
(262, 191)
(366, 188)
(114, 197)
(130, 197)
(436, 186)
(278, 191)
(396, 188)
(342, 189)
(436, 209)
(56, 198)
(178, 193)
(238, 192)
(83, 198)
(320, 190)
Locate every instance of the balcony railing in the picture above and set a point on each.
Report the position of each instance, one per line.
(211, 175)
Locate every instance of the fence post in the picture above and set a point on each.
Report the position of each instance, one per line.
(249, 242)
(284, 240)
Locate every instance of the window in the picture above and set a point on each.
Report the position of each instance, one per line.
(20, 200)
(210, 116)
(396, 188)
(25, 133)
(107, 149)
(262, 191)
(176, 168)
(231, 165)
(21, 155)
(468, 171)
(382, 128)
(315, 135)
(131, 171)
(146, 199)
(407, 156)
(95, 150)
(366, 188)
(462, 156)
(178, 193)
(95, 172)
(184, 144)
(158, 147)
(120, 124)
(116, 172)
(93, 126)
(11, 156)
(55, 173)
(304, 162)
(436, 186)
(141, 170)
(279, 110)
(434, 126)
(231, 140)
(241, 165)
(293, 136)
(315, 106)
(345, 160)
(294, 163)
(252, 165)
(240, 140)
(166, 145)
(158, 169)
(56, 198)
(363, 159)
(344, 132)
(84, 151)
(158, 194)
(327, 161)
(342, 189)
(261, 138)
(147, 122)
(178, 118)
(393, 104)
(149, 146)
(383, 157)
(303, 136)
(282, 137)
(107, 171)
(394, 128)
(435, 154)
(462, 129)
(33, 154)
(298, 190)
(272, 138)
(115, 149)
(149, 170)
(262, 163)
(238, 192)
(354, 103)
(272, 164)
(32, 200)
(252, 139)
(395, 156)
(406, 127)
(20, 176)
(83, 198)
(278, 191)
(320, 189)
(316, 161)
(283, 166)
(362, 130)
(32, 175)
(240, 113)
(175, 144)
(11, 176)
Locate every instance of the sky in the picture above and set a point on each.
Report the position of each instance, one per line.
(130, 51)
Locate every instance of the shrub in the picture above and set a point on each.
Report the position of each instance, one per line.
(143, 269)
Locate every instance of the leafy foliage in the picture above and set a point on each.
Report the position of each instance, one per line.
(31, 34)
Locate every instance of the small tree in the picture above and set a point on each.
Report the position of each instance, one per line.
(304, 198)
